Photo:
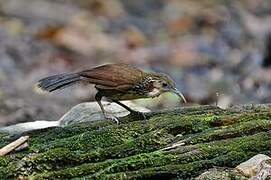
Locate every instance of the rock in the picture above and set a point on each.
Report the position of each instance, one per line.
(250, 167)
(224, 101)
(23, 127)
(214, 174)
(224, 173)
(263, 170)
(134, 37)
(259, 167)
(90, 111)
(33, 9)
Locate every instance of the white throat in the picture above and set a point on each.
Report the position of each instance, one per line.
(154, 93)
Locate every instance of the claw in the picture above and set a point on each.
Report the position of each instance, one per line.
(113, 118)
(138, 115)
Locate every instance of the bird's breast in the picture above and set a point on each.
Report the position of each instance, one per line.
(147, 88)
(128, 95)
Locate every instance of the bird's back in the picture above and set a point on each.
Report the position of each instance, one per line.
(113, 75)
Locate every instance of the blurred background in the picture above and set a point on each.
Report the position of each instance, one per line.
(218, 52)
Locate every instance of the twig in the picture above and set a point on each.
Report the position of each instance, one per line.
(10, 147)
(175, 145)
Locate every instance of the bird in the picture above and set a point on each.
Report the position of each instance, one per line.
(115, 82)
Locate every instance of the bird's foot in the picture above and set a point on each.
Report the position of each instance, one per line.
(112, 117)
(138, 115)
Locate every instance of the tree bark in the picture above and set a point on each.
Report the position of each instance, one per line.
(180, 143)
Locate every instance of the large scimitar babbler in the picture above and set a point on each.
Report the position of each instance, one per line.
(116, 82)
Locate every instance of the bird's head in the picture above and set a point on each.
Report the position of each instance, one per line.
(163, 83)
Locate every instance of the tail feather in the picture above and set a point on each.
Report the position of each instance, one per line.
(60, 81)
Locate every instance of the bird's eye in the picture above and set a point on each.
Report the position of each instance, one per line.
(164, 84)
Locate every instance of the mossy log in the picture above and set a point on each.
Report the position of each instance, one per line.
(180, 143)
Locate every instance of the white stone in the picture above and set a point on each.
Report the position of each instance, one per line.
(91, 111)
(23, 127)
(263, 170)
(249, 168)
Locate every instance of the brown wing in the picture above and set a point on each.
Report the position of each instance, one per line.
(113, 75)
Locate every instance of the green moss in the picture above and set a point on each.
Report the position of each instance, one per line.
(231, 131)
(191, 163)
(110, 166)
(4, 139)
(59, 157)
(133, 149)
(4, 160)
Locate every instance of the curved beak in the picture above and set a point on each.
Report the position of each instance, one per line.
(178, 93)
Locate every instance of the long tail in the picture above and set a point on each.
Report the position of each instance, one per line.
(60, 81)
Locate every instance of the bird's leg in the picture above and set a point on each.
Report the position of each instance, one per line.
(133, 112)
(98, 98)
